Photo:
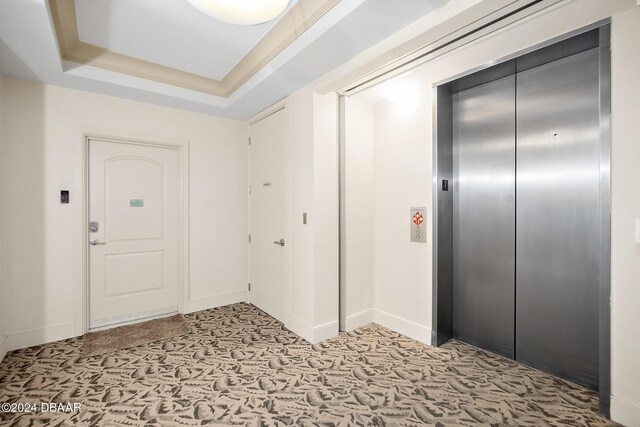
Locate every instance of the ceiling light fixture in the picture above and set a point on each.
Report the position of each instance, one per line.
(241, 12)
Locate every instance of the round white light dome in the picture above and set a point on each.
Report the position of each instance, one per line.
(241, 12)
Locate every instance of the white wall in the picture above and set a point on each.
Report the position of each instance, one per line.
(300, 310)
(326, 215)
(625, 257)
(313, 247)
(402, 168)
(359, 213)
(42, 239)
(388, 171)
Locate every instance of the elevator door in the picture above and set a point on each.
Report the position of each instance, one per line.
(484, 215)
(557, 233)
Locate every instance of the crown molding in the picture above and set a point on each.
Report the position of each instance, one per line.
(296, 22)
(292, 25)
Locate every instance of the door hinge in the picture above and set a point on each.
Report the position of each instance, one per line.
(249, 286)
(249, 140)
(249, 238)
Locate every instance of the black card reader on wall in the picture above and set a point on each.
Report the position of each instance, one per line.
(64, 196)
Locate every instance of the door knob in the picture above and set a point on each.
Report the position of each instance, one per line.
(279, 242)
(94, 242)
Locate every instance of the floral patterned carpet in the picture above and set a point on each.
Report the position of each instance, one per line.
(239, 366)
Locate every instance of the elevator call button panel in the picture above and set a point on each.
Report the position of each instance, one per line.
(418, 224)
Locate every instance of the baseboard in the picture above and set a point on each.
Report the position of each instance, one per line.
(3, 350)
(30, 338)
(206, 303)
(299, 327)
(326, 331)
(359, 320)
(313, 334)
(403, 326)
(18, 340)
(624, 412)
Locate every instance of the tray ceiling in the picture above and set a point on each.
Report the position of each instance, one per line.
(135, 48)
(178, 45)
(172, 33)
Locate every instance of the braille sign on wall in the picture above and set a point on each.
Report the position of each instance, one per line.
(136, 203)
(418, 224)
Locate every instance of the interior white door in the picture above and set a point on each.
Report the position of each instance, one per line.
(267, 250)
(133, 232)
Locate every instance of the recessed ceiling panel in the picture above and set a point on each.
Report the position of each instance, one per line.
(39, 41)
(168, 32)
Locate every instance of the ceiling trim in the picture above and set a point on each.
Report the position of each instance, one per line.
(292, 25)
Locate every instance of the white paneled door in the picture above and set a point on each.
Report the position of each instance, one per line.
(133, 232)
(267, 249)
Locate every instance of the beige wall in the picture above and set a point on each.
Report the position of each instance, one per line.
(625, 256)
(2, 300)
(42, 239)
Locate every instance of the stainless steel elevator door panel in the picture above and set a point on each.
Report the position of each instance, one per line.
(557, 217)
(484, 215)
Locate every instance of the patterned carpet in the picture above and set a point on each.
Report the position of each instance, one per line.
(239, 366)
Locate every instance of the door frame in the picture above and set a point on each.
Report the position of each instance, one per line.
(442, 203)
(182, 149)
(288, 225)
